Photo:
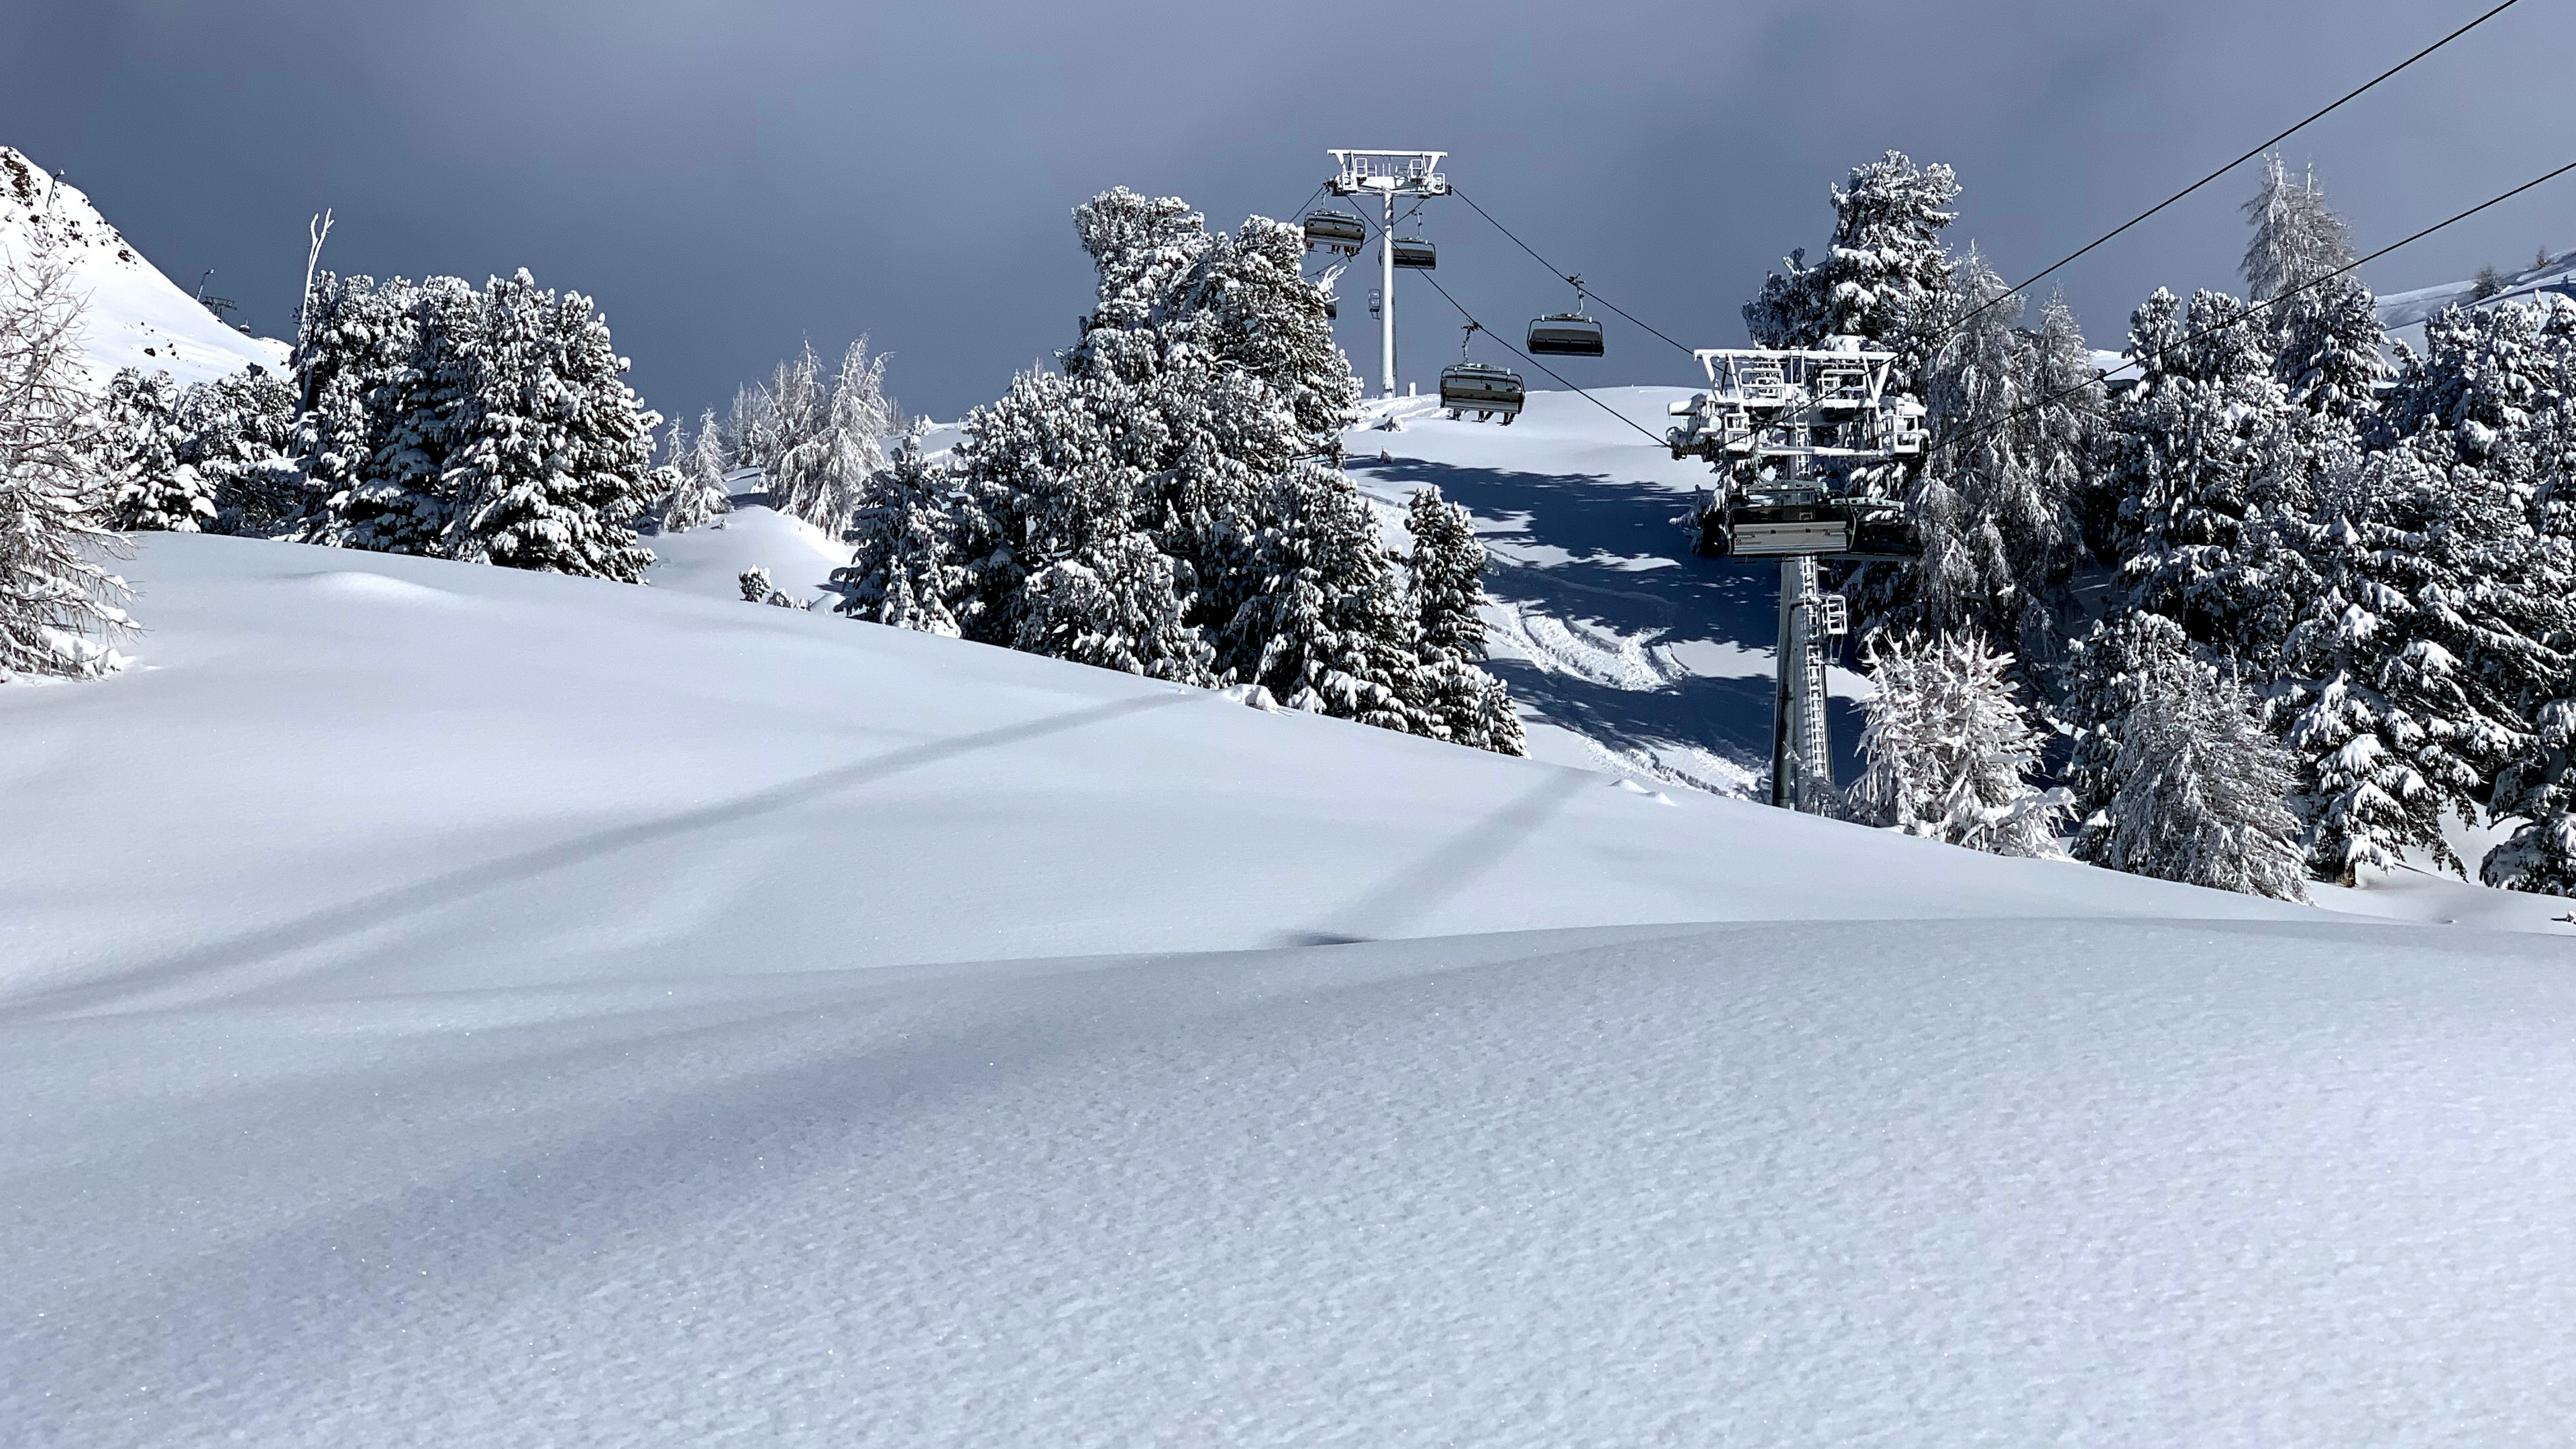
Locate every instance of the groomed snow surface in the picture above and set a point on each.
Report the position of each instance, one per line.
(445, 1006)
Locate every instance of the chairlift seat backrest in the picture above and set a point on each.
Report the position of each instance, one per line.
(1338, 230)
(1565, 334)
(1414, 252)
(1482, 387)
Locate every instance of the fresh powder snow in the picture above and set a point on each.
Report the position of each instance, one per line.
(530, 1010)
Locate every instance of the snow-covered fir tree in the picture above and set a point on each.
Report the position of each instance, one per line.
(1950, 752)
(1325, 608)
(1445, 593)
(151, 489)
(549, 469)
(1885, 277)
(2538, 789)
(903, 568)
(1995, 499)
(2185, 451)
(759, 588)
(2201, 792)
(400, 496)
(2297, 236)
(783, 425)
(2403, 680)
(2100, 682)
(822, 464)
(240, 432)
(696, 461)
(355, 336)
(60, 610)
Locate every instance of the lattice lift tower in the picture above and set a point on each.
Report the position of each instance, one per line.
(1388, 175)
(1796, 437)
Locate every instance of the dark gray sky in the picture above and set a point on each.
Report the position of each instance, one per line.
(727, 179)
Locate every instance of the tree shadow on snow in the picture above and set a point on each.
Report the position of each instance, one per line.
(1627, 572)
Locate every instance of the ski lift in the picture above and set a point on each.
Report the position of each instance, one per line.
(1414, 252)
(1337, 231)
(1480, 388)
(1566, 334)
(1373, 301)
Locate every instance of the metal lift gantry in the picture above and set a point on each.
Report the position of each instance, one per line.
(1388, 175)
(1799, 439)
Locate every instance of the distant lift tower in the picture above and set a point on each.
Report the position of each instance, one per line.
(1388, 175)
(1795, 437)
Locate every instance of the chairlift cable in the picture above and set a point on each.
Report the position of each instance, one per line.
(2223, 170)
(1586, 291)
(2257, 309)
(1534, 362)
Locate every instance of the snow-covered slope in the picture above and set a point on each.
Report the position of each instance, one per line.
(135, 316)
(441, 1006)
(2403, 310)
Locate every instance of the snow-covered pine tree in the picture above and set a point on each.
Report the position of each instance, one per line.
(1950, 751)
(2100, 682)
(2201, 789)
(2425, 636)
(1325, 612)
(1449, 687)
(2058, 444)
(788, 416)
(59, 609)
(2328, 347)
(2297, 237)
(757, 588)
(2185, 450)
(240, 431)
(356, 335)
(1885, 277)
(550, 473)
(401, 497)
(2539, 790)
(1999, 533)
(902, 569)
(152, 489)
(2331, 351)
(1115, 604)
(822, 473)
(699, 497)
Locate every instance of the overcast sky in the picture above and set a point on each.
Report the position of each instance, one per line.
(730, 179)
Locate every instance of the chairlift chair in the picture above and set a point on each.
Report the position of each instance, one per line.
(1566, 334)
(1337, 231)
(1479, 387)
(1414, 252)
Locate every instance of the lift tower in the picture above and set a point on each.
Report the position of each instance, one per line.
(1387, 175)
(1796, 436)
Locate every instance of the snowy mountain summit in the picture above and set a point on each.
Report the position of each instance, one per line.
(136, 316)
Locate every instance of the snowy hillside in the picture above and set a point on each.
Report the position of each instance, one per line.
(136, 317)
(2401, 310)
(442, 1005)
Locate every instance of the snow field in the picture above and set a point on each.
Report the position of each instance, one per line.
(533, 1011)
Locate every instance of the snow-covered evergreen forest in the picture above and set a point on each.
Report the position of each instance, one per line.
(2269, 510)
(2316, 581)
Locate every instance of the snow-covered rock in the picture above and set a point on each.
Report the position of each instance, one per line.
(135, 316)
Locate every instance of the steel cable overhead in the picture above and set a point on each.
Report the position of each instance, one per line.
(2261, 307)
(1516, 352)
(2230, 166)
(1560, 272)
